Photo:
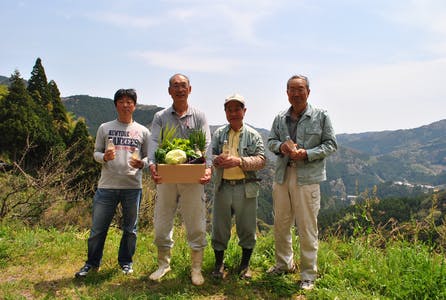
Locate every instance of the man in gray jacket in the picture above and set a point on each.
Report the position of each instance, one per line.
(238, 152)
(302, 137)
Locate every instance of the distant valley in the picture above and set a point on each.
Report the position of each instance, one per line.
(411, 156)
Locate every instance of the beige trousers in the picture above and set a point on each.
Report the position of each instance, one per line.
(189, 199)
(296, 205)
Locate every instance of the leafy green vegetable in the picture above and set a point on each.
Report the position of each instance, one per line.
(175, 157)
(192, 154)
(193, 147)
(198, 138)
(160, 156)
(182, 144)
(167, 136)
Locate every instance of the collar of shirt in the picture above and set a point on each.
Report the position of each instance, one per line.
(288, 112)
(173, 112)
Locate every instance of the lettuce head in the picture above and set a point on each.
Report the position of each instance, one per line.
(176, 156)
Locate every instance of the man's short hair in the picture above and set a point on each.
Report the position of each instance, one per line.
(131, 93)
(178, 74)
(299, 77)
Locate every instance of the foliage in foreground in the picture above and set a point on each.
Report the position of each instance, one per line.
(40, 263)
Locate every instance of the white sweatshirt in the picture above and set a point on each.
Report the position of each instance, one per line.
(117, 173)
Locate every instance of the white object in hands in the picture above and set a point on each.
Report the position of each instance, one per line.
(134, 155)
(226, 150)
(110, 145)
(289, 142)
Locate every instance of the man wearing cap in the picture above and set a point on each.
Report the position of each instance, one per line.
(236, 185)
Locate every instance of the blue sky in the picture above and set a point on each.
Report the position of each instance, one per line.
(373, 65)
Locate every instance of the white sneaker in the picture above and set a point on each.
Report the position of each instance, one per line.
(127, 269)
(307, 285)
(85, 270)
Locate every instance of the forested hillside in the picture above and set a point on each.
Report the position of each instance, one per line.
(96, 110)
(46, 153)
(410, 157)
(38, 123)
(4, 80)
(389, 244)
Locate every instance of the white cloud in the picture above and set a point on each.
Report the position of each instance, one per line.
(125, 20)
(188, 59)
(243, 20)
(237, 18)
(426, 14)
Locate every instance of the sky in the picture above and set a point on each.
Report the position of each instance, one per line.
(373, 65)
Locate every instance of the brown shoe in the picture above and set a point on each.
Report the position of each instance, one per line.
(219, 272)
(274, 270)
(245, 273)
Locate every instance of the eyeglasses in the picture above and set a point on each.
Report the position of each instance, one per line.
(179, 86)
(300, 90)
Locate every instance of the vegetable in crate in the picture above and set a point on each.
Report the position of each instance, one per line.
(176, 156)
(160, 156)
(193, 148)
(197, 139)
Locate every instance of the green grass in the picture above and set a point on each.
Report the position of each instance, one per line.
(40, 264)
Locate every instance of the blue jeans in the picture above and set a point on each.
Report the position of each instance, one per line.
(104, 207)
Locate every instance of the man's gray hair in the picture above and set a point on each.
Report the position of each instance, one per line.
(299, 77)
(178, 74)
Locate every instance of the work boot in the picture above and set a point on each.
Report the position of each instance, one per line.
(219, 271)
(197, 261)
(243, 271)
(163, 264)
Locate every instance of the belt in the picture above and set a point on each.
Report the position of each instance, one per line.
(239, 181)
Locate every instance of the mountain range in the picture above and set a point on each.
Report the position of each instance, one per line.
(399, 161)
(411, 158)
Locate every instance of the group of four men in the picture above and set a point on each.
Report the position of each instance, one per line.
(300, 167)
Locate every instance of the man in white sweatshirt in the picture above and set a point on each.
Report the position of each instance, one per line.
(121, 147)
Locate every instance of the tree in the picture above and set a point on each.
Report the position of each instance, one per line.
(16, 118)
(38, 84)
(81, 148)
(25, 125)
(3, 91)
(58, 112)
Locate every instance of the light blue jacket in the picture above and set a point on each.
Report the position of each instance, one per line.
(315, 134)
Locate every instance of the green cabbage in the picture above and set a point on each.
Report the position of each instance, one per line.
(176, 156)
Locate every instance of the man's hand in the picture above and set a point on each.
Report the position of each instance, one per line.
(286, 149)
(155, 177)
(109, 155)
(207, 176)
(227, 161)
(299, 154)
(136, 163)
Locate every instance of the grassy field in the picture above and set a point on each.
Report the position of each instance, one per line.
(40, 264)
